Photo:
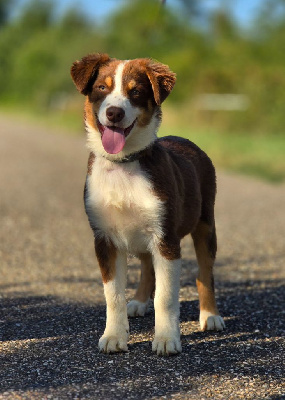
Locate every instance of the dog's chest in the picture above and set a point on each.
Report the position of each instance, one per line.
(121, 203)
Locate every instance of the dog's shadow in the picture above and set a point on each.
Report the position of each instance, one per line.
(59, 339)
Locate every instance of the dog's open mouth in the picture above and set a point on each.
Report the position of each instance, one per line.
(113, 137)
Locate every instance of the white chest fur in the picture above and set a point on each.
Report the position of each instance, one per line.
(122, 205)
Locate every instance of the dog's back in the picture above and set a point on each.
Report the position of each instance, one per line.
(183, 149)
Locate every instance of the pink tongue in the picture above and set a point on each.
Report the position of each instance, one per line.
(113, 139)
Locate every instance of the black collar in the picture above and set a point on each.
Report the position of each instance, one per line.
(133, 156)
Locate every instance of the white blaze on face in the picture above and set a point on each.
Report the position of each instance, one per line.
(110, 139)
(118, 99)
(114, 133)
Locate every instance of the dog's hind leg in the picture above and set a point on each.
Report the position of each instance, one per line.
(140, 303)
(205, 243)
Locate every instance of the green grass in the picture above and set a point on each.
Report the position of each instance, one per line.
(259, 156)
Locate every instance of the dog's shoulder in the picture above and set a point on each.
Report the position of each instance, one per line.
(183, 151)
(172, 152)
(181, 147)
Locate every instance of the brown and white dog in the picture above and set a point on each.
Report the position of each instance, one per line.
(142, 196)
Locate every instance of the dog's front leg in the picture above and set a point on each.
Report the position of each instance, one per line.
(166, 305)
(140, 303)
(113, 265)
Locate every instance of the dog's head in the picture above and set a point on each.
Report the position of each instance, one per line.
(123, 98)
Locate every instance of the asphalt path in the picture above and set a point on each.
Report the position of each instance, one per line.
(52, 309)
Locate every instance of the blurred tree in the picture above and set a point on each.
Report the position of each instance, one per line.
(147, 30)
(73, 20)
(37, 48)
(271, 13)
(223, 26)
(191, 7)
(37, 15)
(194, 11)
(5, 7)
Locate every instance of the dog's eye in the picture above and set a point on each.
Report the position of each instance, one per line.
(135, 92)
(101, 87)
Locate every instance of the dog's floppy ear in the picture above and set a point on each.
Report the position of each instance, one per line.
(162, 80)
(84, 72)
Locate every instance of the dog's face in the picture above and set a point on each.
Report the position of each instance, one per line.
(123, 98)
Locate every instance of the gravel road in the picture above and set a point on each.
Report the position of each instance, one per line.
(52, 307)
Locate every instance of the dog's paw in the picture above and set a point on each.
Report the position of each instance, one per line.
(112, 344)
(136, 308)
(211, 322)
(165, 346)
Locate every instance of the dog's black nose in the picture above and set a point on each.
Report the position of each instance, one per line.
(115, 114)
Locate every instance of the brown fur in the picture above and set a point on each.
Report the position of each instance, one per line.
(106, 256)
(181, 190)
(84, 72)
(154, 80)
(158, 75)
(205, 244)
(132, 83)
(95, 94)
(136, 80)
(89, 115)
(90, 163)
(189, 192)
(147, 282)
(182, 175)
(109, 81)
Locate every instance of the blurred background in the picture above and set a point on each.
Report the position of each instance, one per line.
(229, 57)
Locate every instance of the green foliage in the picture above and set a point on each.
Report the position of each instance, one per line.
(5, 6)
(261, 156)
(149, 30)
(37, 49)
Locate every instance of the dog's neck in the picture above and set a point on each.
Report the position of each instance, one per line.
(133, 156)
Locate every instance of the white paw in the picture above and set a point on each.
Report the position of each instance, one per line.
(112, 344)
(136, 308)
(211, 322)
(165, 346)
